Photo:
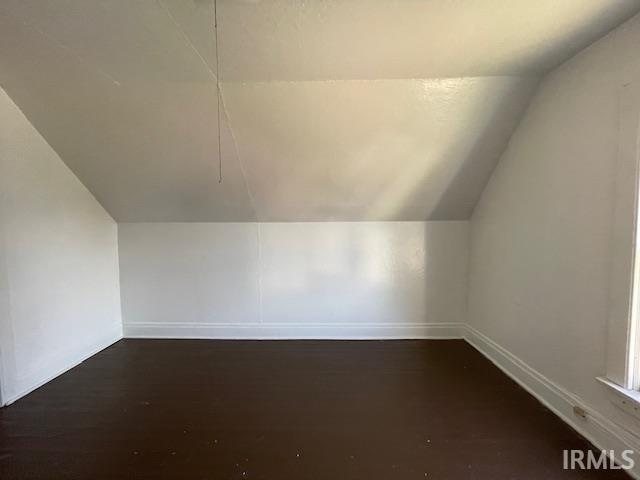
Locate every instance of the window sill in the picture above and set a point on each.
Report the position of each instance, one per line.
(627, 400)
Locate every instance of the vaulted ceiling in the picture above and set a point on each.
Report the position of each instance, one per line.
(330, 109)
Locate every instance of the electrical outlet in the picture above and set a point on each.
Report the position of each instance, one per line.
(579, 412)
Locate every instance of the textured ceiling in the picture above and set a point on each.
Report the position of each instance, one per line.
(331, 110)
(372, 39)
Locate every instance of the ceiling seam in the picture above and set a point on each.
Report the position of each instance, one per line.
(222, 100)
(187, 39)
(74, 54)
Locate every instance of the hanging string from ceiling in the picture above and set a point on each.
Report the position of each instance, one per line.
(218, 92)
(214, 75)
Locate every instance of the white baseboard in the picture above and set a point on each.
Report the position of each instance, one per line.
(35, 381)
(600, 431)
(291, 331)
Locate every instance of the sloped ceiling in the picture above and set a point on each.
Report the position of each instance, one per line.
(330, 109)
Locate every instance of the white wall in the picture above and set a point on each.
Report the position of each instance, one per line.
(59, 287)
(541, 236)
(293, 280)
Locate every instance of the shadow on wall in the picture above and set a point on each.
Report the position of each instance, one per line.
(499, 120)
(384, 150)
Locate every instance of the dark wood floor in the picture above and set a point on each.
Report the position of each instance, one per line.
(197, 409)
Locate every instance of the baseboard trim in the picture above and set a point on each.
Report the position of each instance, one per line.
(296, 331)
(69, 363)
(600, 431)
